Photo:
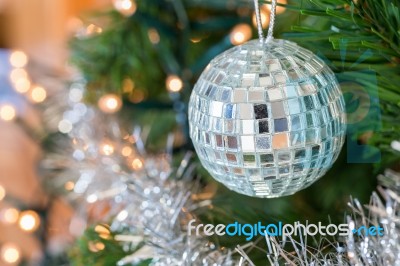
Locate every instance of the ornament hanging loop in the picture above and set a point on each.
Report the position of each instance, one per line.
(259, 22)
(270, 34)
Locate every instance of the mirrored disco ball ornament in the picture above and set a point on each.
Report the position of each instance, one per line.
(267, 119)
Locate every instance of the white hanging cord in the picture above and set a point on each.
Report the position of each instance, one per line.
(271, 21)
(270, 34)
(258, 19)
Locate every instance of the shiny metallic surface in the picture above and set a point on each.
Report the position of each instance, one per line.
(267, 120)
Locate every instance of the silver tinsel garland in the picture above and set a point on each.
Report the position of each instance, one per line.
(116, 180)
(354, 249)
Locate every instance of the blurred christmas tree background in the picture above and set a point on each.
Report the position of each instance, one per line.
(137, 62)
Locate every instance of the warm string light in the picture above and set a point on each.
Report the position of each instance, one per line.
(18, 59)
(126, 151)
(128, 85)
(29, 221)
(195, 40)
(10, 215)
(20, 78)
(107, 149)
(125, 7)
(279, 9)
(69, 185)
(95, 246)
(88, 31)
(137, 164)
(137, 96)
(18, 74)
(38, 94)
(93, 29)
(240, 34)
(110, 103)
(7, 112)
(103, 231)
(265, 12)
(154, 37)
(10, 253)
(22, 85)
(174, 83)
